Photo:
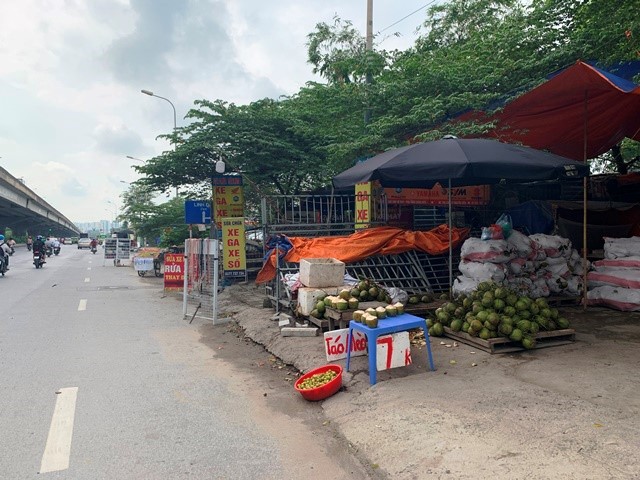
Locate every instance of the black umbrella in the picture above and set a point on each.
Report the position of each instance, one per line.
(460, 161)
(465, 161)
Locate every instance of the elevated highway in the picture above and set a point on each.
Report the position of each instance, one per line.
(23, 211)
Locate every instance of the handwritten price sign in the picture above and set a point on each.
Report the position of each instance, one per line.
(393, 351)
(335, 344)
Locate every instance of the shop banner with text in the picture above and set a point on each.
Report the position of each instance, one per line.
(234, 255)
(363, 205)
(173, 271)
(228, 197)
(438, 195)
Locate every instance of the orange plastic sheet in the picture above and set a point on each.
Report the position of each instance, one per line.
(366, 243)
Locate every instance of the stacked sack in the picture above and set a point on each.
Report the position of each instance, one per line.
(536, 266)
(615, 281)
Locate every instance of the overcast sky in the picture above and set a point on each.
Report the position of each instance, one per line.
(71, 72)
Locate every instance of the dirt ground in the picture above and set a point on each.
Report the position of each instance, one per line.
(569, 412)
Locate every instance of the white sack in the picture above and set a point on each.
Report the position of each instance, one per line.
(482, 271)
(622, 262)
(553, 245)
(617, 277)
(464, 285)
(493, 251)
(522, 244)
(624, 299)
(621, 247)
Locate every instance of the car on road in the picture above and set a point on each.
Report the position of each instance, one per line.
(84, 243)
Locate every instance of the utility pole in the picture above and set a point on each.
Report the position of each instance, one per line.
(368, 48)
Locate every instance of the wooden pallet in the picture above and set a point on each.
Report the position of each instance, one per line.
(563, 301)
(504, 345)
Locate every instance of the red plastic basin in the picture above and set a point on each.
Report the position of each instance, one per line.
(324, 391)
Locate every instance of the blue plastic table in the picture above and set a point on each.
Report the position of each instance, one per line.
(385, 326)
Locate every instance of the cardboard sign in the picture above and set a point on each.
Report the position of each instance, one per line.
(234, 253)
(438, 195)
(363, 205)
(393, 351)
(335, 344)
(173, 271)
(143, 264)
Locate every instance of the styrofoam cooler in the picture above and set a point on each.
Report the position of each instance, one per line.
(321, 272)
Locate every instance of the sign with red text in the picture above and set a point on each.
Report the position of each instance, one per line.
(228, 197)
(363, 205)
(335, 344)
(234, 254)
(173, 271)
(439, 195)
(393, 351)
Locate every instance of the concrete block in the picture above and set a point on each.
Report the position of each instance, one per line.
(299, 332)
(321, 272)
(284, 322)
(308, 297)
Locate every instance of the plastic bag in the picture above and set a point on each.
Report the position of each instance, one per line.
(505, 222)
(494, 232)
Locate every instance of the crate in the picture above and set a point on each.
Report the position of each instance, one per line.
(321, 272)
(504, 345)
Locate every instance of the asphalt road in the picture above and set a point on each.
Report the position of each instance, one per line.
(102, 378)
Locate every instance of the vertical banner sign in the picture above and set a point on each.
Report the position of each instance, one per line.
(228, 197)
(173, 271)
(233, 247)
(363, 205)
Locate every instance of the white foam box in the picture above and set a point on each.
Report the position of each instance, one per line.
(321, 272)
(308, 297)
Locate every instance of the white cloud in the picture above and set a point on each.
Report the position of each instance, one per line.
(72, 71)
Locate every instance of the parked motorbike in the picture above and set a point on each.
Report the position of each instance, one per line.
(56, 250)
(3, 265)
(38, 260)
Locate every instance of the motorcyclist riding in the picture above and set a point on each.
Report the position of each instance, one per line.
(39, 247)
(29, 243)
(93, 245)
(5, 250)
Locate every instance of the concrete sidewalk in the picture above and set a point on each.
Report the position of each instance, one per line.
(569, 412)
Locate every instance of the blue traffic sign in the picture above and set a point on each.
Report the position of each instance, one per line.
(197, 211)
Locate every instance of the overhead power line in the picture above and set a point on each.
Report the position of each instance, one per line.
(407, 16)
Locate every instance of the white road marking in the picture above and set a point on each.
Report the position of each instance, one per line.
(82, 305)
(86, 280)
(58, 448)
(88, 268)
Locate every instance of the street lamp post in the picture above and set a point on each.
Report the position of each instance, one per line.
(175, 124)
(134, 158)
(115, 209)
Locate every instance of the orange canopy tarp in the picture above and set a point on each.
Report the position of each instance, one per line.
(366, 243)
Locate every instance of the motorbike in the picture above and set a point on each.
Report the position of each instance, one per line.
(12, 251)
(93, 249)
(29, 246)
(56, 250)
(49, 251)
(3, 265)
(38, 259)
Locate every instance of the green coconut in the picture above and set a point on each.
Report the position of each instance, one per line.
(381, 312)
(357, 315)
(399, 307)
(391, 311)
(342, 304)
(353, 303)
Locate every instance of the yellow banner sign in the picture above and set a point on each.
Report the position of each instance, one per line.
(233, 247)
(228, 201)
(363, 205)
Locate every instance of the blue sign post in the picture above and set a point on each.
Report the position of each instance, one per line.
(197, 211)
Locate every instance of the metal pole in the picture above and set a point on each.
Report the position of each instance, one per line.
(369, 47)
(584, 209)
(450, 241)
(213, 234)
(186, 274)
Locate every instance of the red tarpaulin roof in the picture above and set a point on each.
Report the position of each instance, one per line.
(554, 115)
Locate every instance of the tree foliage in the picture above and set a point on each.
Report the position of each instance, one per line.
(470, 54)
